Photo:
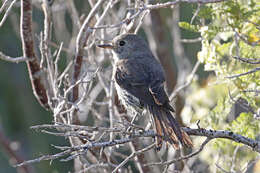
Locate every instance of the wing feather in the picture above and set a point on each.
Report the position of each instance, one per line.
(142, 82)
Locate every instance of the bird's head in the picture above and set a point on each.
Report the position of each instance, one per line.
(127, 46)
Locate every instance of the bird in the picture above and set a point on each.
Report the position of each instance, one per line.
(139, 82)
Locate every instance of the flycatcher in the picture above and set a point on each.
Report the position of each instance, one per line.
(140, 85)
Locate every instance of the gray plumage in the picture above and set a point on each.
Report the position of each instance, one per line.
(140, 84)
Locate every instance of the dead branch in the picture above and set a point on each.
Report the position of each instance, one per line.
(82, 38)
(35, 72)
(253, 144)
(12, 59)
(82, 149)
(7, 11)
(181, 158)
(187, 82)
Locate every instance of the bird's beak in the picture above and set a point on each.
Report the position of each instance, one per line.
(106, 46)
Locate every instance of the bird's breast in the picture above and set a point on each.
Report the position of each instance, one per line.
(128, 100)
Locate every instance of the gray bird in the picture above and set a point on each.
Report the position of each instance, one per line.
(140, 84)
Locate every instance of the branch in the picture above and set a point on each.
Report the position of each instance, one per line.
(187, 82)
(170, 4)
(35, 72)
(131, 156)
(183, 157)
(152, 7)
(253, 144)
(7, 11)
(71, 127)
(11, 59)
(82, 38)
(247, 60)
(243, 74)
(195, 40)
(85, 147)
(82, 149)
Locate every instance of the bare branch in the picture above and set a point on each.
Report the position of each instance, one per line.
(35, 72)
(127, 20)
(95, 166)
(11, 59)
(184, 157)
(253, 144)
(170, 4)
(152, 7)
(243, 74)
(71, 127)
(188, 81)
(133, 155)
(82, 38)
(87, 147)
(210, 134)
(247, 60)
(195, 40)
(7, 11)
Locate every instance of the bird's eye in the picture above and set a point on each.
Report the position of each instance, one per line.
(121, 43)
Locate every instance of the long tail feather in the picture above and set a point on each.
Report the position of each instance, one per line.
(166, 126)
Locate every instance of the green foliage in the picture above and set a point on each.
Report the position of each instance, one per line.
(186, 25)
(228, 29)
(249, 125)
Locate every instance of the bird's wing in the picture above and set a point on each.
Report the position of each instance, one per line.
(142, 81)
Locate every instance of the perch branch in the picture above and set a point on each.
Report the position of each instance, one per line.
(210, 134)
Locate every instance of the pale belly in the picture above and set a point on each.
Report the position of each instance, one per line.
(128, 100)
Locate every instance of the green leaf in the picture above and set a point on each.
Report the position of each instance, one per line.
(186, 25)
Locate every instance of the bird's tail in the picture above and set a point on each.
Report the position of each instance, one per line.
(168, 128)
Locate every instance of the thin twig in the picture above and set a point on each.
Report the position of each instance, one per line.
(71, 127)
(247, 60)
(152, 7)
(195, 40)
(7, 12)
(243, 74)
(210, 134)
(133, 155)
(11, 59)
(188, 81)
(184, 157)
